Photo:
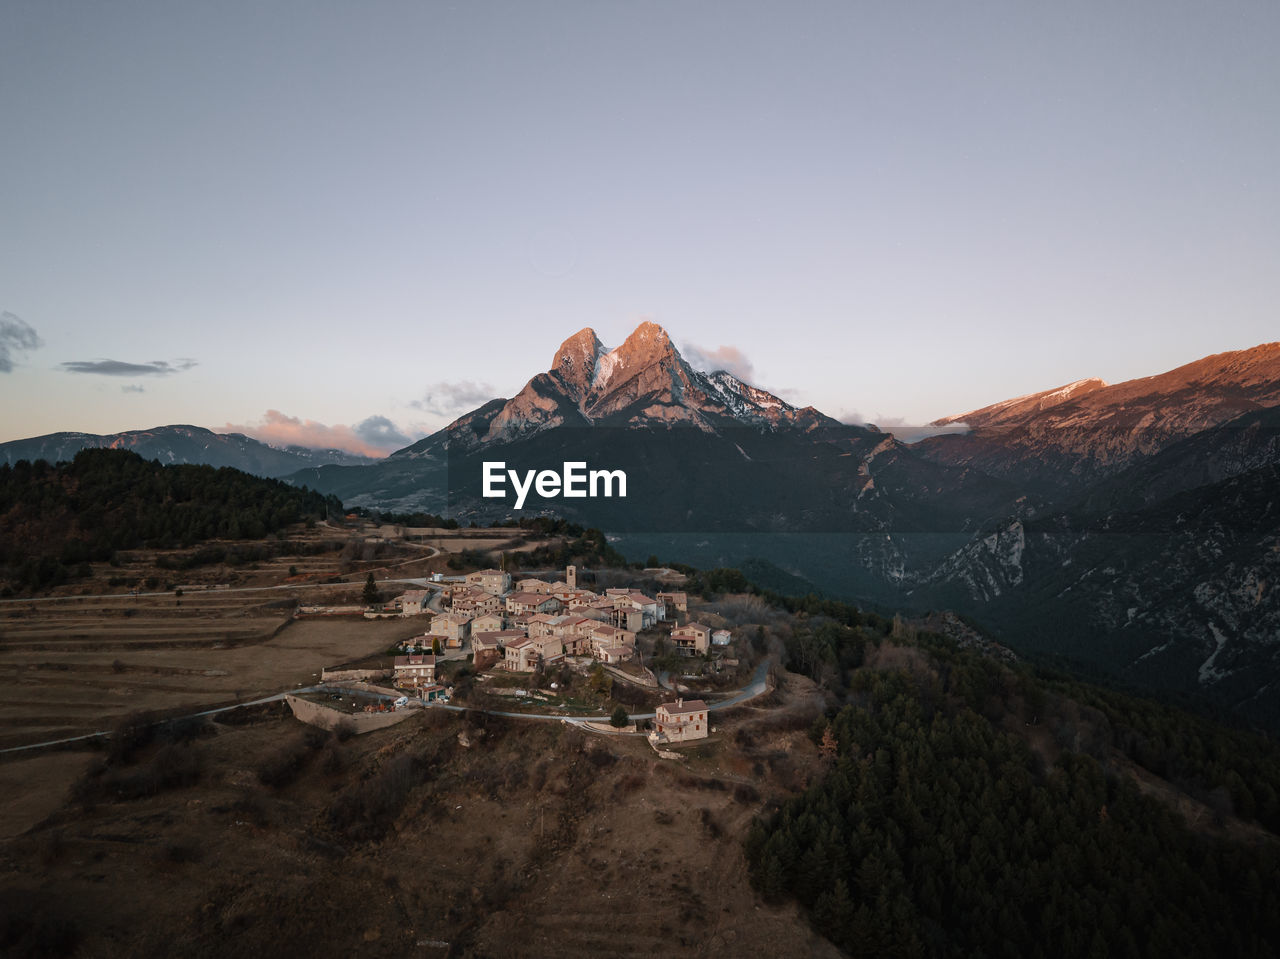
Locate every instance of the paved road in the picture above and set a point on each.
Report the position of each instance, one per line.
(205, 712)
(758, 685)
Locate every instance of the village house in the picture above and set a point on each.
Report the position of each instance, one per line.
(627, 617)
(651, 611)
(533, 586)
(487, 623)
(681, 721)
(577, 645)
(616, 654)
(595, 607)
(550, 648)
(692, 639)
(495, 581)
(575, 626)
(476, 602)
(486, 648)
(567, 594)
(452, 628)
(540, 624)
(674, 603)
(453, 590)
(414, 670)
(522, 655)
(602, 637)
(529, 603)
(415, 602)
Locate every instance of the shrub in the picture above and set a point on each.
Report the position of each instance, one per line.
(284, 764)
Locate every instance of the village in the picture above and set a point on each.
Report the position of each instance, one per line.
(507, 637)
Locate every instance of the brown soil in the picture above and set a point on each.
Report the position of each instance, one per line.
(515, 839)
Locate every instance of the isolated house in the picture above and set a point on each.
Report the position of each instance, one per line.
(681, 721)
(494, 581)
(720, 637)
(692, 639)
(414, 670)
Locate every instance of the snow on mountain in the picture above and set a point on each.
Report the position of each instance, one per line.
(643, 383)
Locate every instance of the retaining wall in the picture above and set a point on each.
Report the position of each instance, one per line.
(353, 675)
(315, 714)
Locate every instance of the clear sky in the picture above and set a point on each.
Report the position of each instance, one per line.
(349, 222)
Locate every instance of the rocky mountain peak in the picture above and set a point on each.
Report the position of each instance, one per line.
(575, 361)
(647, 339)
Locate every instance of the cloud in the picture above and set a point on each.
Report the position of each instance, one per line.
(16, 336)
(450, 399)
(375, 436)
(121, 368)
(794, 397)
(132, 388)
(381, 432)
(727, 358)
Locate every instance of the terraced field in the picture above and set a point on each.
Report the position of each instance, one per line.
(77, 665)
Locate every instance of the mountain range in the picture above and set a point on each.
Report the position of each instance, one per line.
(182, 444)
(1132, 527)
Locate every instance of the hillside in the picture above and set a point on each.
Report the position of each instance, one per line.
(1059, 441)
(895, 790)
(55, 518)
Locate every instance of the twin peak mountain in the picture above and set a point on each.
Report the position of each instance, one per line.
(644, 383)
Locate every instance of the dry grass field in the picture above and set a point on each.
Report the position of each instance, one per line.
(76, 661)
(449, 835)
(52, 691)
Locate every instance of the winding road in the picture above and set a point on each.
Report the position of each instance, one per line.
(759, 684)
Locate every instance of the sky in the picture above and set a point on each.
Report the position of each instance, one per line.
(347, 223)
